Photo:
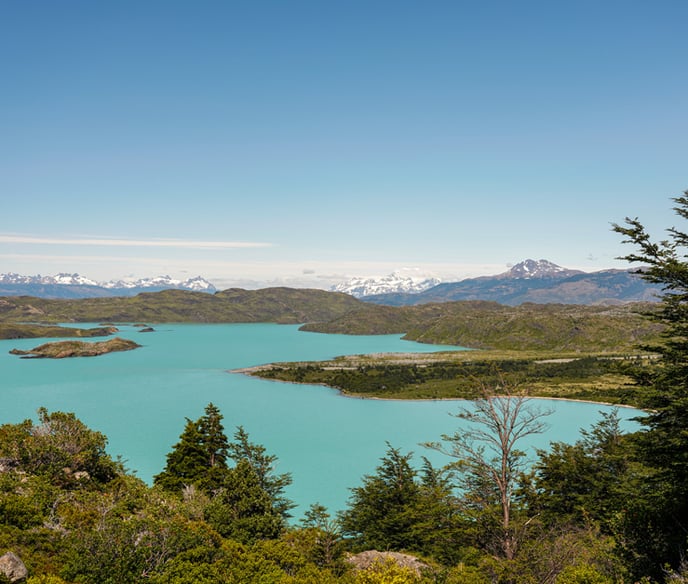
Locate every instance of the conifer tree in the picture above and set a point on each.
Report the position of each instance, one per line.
(401, 509)
(589, 480)
(664, 447)
(213, 436)
(200, 456)
(186, 462)
(242, 510)
(263, 466)
(380, 513)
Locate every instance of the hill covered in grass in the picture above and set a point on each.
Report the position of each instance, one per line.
(475, 324)
(37, 331)
(488, 325)
(279, 305)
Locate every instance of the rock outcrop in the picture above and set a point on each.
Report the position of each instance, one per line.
(13, 568)
(369, 558)
(62, 349)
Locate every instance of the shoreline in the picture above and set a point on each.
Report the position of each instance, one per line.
(249, 371)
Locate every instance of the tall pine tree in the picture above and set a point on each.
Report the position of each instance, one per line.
(200, 456)
(381, 511)
(263, 465)
(664, 447)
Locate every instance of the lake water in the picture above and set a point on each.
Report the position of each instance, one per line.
(140, 400)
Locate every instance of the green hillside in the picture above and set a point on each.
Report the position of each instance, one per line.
(488, 325)
(475, 324)
(35, 331)
(279, 305)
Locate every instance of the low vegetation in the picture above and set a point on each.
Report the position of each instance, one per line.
(217, 511)
(460, 374)
(37, 331)
(280, 305)
(64, 349)
(479, 325)
(488, 325)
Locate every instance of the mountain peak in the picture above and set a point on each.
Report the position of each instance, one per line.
(531, 269)
(406, 280)
(77, 286)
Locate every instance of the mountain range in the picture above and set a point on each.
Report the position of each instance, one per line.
(76, 286)
(405, 281)
(537, 281)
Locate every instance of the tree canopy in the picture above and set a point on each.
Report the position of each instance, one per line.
(664, 446)
(200, 456)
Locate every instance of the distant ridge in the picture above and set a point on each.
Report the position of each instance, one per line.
(538, 281)
(66, 285)
(278, 305)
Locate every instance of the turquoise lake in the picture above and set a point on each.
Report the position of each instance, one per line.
(140, 400)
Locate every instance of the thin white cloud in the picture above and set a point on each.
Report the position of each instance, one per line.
(173, 243)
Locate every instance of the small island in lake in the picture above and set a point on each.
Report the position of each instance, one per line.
(62, 349)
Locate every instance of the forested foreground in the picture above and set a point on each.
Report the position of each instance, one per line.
(595, 511)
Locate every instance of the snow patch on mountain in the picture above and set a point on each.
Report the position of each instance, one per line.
(70, 280)
(531, 269)
(407, 280)
(197, 283)
(61, 279)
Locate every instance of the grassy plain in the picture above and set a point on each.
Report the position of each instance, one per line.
(452, 375)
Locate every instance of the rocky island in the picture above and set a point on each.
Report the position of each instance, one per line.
(62, 349)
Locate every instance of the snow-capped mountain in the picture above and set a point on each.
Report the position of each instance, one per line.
(412, 281)
(197, 284)
(70, 280)
(395, 282)
(530, 269)
(76, 286)
(61, 279)
(539, 282)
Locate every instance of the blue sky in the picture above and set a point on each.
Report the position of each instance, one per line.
(272, 142)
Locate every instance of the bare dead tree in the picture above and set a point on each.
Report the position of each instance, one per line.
(486, 450)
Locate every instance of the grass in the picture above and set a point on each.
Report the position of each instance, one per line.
(36, 331)
(488, 325)
(279, 305)
(600, 378)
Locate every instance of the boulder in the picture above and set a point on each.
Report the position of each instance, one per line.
(8, 464)
(13, 568)
(369, 558)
